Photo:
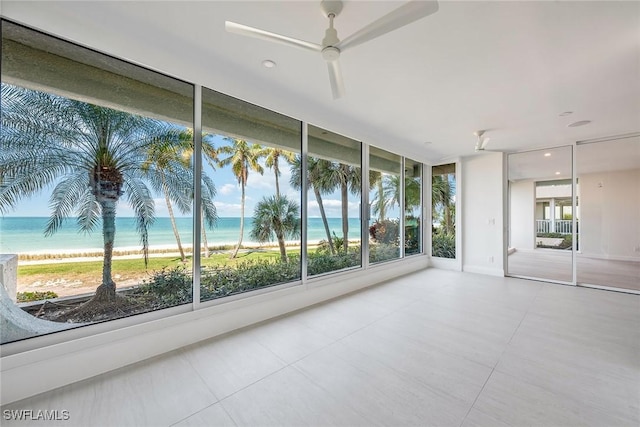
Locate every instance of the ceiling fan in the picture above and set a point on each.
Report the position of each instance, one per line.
(482, 140)
(332, 46)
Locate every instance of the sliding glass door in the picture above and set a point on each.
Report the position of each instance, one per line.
(541, 215)
(609, 189)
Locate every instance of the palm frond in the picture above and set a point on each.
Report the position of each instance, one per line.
(208, 207)
(141, 200)
(71, 191)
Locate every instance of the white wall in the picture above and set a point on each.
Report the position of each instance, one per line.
(523, 199)
(482, 214)
(610, 215)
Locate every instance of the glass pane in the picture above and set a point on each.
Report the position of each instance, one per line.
(334, 176)
(251, 197)
(412, 207)
(385, 198)
(443, 210)
(540, 228)
(609, 194)
(96, 187)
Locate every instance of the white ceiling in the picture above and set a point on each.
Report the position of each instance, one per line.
(508, 67)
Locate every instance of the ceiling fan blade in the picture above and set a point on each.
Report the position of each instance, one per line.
(404, 15)
(335, 78)
(482, 143)
(245, 30)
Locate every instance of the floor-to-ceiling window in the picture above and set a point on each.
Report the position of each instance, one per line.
(252, 156)
(412, 207)
(96, 179)
(385, 201)
(124, 191)
(443, 210)
(334, 177)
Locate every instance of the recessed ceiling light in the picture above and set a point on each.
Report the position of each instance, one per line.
(580, 123)
(267, 63)
(557, 173)
(547, 154)
(428, 142)
(566, 113)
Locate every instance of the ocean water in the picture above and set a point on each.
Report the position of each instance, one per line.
(26, 234)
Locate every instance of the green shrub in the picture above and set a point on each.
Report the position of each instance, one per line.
(551, 235)
(567, 240)
(412, 239)
(383, 252)
(322, 262)
(35, 296)
(221, 281)
(385, 231)
(168, 287)
(324, 248)
(444, 245)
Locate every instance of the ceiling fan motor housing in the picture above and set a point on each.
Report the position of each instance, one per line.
(330, 53)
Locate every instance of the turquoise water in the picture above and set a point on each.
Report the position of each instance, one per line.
(26, 234)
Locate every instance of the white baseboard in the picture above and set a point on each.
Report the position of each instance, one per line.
(489, 271)
(610, 257)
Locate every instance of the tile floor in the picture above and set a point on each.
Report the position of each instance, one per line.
(434, 348)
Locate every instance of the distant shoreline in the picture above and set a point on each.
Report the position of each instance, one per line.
(25, 235)
(92, 254)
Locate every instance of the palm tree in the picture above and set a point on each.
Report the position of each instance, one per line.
(91, 155)
(272, 161)
(242, 157)
(315, 167)
(388, 194)
(211, 156)
(442, 198)
(412, 189)
(167, 159)
(277, 216)
(182, 152)
(348, 179)
(379, 203)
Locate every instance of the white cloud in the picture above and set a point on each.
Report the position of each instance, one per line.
(332, 208)
(227, 209)
(227, 189)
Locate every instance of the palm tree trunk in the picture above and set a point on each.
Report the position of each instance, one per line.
(345, 216)
(277, 172)
(283, 251)
(174, 226)
(448, 223)
(324, 220)
(235, 252)
(381, 201)
(106, 292)
(204, 237)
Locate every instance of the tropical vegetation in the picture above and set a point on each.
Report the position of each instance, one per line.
(242, 156)
(276, 216)
(92, 156)
(443, 214)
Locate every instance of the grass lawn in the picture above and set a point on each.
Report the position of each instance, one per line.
(126, 267)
